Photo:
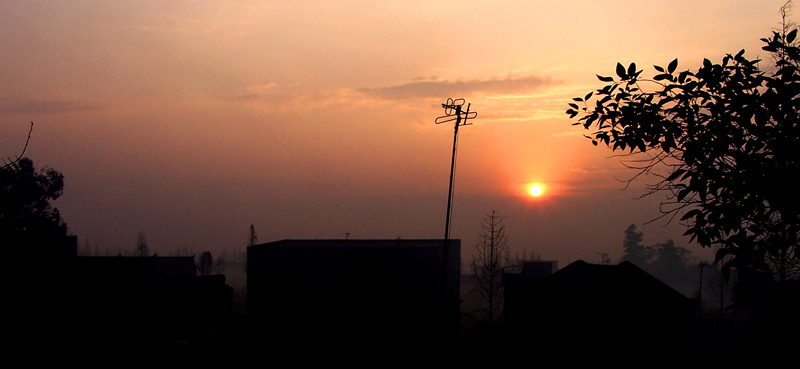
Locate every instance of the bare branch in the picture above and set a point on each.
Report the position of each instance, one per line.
(487, 267)
(10, 161)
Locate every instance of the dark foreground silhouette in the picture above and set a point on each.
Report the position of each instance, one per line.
(124, 307)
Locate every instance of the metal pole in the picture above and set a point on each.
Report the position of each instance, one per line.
(698, 311)
(446, 247)
(452, 170)
(449, 107)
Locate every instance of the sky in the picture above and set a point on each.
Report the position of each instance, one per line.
(192, 120)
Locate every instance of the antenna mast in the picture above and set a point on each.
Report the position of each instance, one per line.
(453, 112)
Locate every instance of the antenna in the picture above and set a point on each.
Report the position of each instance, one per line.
(453, 112)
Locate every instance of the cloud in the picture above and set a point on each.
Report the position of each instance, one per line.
(592, 170)
(429, 89)
(12, 106)
(271, 94)
(247, 97)
(571, 133)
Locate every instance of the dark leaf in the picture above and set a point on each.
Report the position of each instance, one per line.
(632, 69)
(690, 214)
(621, 71)
(605, 79)
(682, 76)
(672, 66)
(682, 194)
(676, 174)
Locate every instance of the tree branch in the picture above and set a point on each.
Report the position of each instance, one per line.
(10, 161)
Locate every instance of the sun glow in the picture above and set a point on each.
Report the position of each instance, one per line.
(536, 190)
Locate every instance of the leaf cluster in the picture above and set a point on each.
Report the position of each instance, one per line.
(721, 141)
(26, 216)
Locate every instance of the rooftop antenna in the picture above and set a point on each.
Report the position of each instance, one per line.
(604, 258)
(453, 112)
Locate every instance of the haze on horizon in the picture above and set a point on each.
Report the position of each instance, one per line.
(191, 120)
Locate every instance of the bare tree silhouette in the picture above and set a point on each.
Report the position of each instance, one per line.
(487, 268)
(141, 244)
(253, 236)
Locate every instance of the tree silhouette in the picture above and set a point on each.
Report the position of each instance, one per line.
(670, 257)
(487, 267)
(7, 162)
(721, 142)
(141, 244)
(669, 263)
(253, 239)
(26, 216)
(218, 265)
(206, 263)
(633, 249)
(675, 266)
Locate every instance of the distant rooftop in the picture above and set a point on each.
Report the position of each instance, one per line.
(400, 242)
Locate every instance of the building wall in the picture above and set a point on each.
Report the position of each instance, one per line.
(595, 305)
(356, 288)
(132, 304)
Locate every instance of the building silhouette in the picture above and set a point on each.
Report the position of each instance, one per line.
(363, 292)
(589, 305)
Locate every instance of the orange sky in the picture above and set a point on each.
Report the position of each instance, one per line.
(190, 120)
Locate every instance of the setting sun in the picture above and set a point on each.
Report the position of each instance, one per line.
(536, 190)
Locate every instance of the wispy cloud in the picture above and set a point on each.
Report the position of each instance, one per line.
(247, 98)
(13, 106)
(429, 89)
(570, 133)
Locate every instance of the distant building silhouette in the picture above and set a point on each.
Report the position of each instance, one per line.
(337, 292)
(115, 304)
(589, 305)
